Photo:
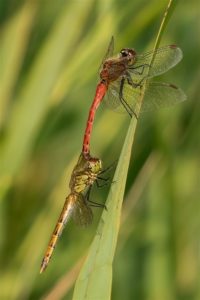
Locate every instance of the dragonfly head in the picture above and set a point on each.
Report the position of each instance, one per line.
(129, 54)
(94, 165)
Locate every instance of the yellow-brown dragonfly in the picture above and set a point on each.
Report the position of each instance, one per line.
(77, 203)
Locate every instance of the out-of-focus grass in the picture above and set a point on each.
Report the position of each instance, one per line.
(50, 54)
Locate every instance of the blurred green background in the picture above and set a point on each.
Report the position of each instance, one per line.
(50, 53)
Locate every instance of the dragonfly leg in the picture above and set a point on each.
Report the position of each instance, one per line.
(123, 101)
(143, 79)
(104, 184)
(133, 84)
(130, 81)
(109, 167)
(104, 179)
(142, 69)
(92, 203)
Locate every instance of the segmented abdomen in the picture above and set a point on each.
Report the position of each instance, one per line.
(64, 216)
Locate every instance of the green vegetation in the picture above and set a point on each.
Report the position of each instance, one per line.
(50, 53)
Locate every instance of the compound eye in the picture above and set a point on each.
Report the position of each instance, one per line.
(124, 52)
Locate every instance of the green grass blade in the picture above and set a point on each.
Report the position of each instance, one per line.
(167, 14)
(95, 279)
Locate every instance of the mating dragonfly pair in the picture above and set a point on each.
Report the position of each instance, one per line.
(122, 79)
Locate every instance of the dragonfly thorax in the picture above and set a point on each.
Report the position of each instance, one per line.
(112, 69)
(81, 182)
(115, 67)
(95, 165)
(85, 173)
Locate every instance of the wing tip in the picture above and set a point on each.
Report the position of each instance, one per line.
(173, 46)
(178, 49)
(183, 95)
(173, 86)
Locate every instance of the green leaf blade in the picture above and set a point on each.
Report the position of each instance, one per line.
(95, 279)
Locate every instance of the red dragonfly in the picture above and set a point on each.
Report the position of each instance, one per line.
(122, 78)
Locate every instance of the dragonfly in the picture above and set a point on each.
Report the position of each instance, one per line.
(77, 203)
(122, 78)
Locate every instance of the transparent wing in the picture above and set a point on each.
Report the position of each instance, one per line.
(82, 213)
(109, 52)
(111, 98)
(160, 95)
(157, 95)
(165, 58)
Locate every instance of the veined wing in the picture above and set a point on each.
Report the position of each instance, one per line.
(109, 52)
(82, 213)
(156, 95)
(165, 58)
(161, 95)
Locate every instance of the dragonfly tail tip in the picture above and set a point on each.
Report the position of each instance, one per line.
(43, 267)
